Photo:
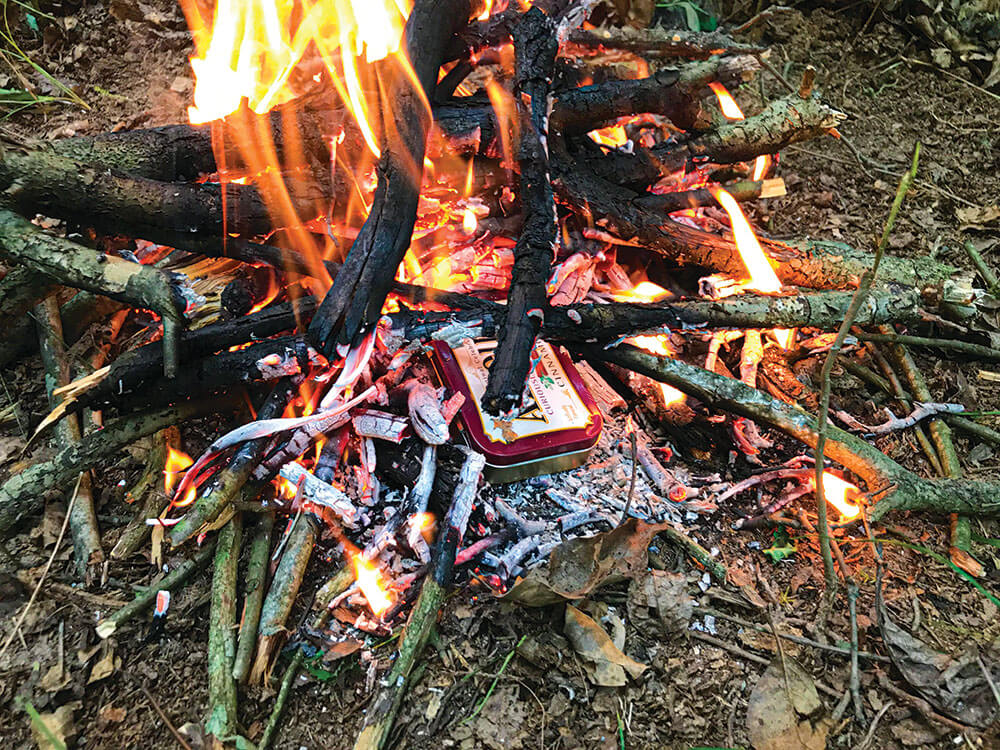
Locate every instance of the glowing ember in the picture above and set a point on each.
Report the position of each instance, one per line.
(838, 493)
(177, 461)
(762, 276)
(370, 582)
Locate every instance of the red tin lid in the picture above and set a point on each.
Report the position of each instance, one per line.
(561, 416)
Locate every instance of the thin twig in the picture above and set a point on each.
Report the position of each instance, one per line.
(980, 89)
(159, 711)
(279, 702)
(984, 270)
(865, 284)
(45, 572)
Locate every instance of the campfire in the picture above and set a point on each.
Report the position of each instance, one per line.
(424, 259)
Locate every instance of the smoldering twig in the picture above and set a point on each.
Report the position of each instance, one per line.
(922, 410)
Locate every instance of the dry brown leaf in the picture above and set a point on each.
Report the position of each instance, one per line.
(955, 686)
(579, 566)
(606, 665)
(978, 217)
(111, 714)
(658, 603)
(54, 679)
(106, 665)
(785, 712)
(59, 723)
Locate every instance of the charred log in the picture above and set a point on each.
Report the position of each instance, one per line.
(535, 50)
(355, 300)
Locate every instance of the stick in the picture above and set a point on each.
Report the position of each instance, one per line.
(227, 483)
(535, 48)
(281, 595)
(668, 203)
(271, 728)
(985, 271)
(87, 550)
(867, 279)
(355, 300)
(24, 493)
(222, 720)
(20, 290)
(254, 590)
(143, 601)
(163, 717)
(959, 422)
(961, 535)
(79, 267)
(382, 714)
(975, 350)
(662, 42)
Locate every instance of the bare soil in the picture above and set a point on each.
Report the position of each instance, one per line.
(134, 73)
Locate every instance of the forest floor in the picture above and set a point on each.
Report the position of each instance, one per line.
(129, 63)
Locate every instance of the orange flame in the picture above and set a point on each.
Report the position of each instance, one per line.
(273, 290)
(251, 47)
(837, 492)
(177, 461)
(612, 136)
(644, 291)
(762, 275)
(731, 110)
(369, 580)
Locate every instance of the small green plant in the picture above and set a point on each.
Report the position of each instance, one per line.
(11, 53)
(696, 17)
(782, 548)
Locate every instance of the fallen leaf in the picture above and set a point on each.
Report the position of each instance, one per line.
(111, 714)
(978, 217)
(605, 663)
(60, 727)
(658, 603)
(55, 679)
(106, 665)
(955, 686)
(579, 566)
(785, 712)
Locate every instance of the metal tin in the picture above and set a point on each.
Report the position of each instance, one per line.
(553, 431)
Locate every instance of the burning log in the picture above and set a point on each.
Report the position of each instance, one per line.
(228, 482)
(87, 550)
(535, 48)
(163, 212)
(25, 492)
(354, 302)
(149, 489)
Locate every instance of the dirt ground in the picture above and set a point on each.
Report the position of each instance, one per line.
(129, 63)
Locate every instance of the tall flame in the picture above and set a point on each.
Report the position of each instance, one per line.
(251, 47)
(369, 580)
(837, 492)
(762, 275)
(177, 461)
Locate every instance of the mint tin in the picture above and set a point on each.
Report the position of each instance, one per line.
(555, 428)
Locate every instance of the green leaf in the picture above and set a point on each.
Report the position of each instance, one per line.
(32, 22)
(782, 547)
(691, 16)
